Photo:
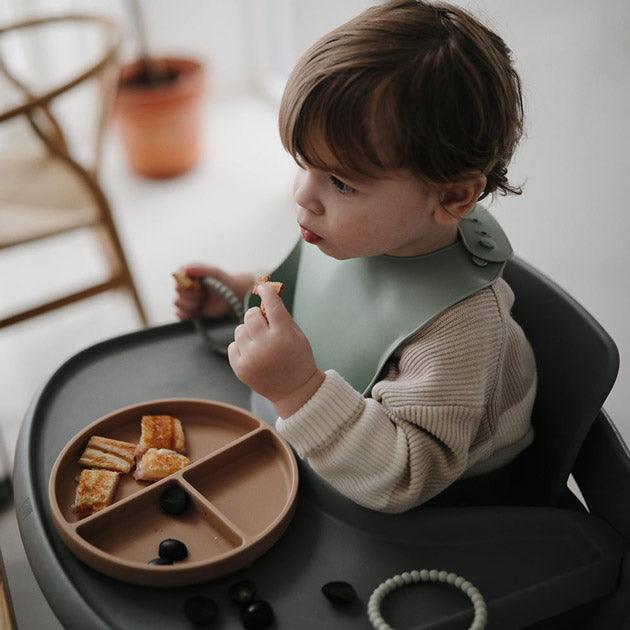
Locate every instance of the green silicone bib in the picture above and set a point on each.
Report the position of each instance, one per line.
(357, 312)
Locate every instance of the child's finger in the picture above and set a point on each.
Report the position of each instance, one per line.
(187, 305)
(275, 310)
(197, 270)
(233, 353)
(255, 320)
(241, 335)
(189, 291)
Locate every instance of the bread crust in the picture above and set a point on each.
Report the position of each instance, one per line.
(161, 432)
(158, 463)
(109, 454)
(95, 491)
(185, 282)
(278, 287)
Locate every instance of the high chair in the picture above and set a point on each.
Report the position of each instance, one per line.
(577, 364)
(48, 191)
(541, 559)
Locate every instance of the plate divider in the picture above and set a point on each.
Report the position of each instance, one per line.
(176, 475)
(235, 547)
(250, 435)
(215, 511)
(120, 502)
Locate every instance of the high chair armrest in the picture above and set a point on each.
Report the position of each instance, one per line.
(602, 472)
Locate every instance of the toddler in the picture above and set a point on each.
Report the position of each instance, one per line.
(393, 362)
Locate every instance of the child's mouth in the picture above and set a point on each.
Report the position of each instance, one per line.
(310, 237)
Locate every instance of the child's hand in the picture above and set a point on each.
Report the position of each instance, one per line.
(199, 301)
(273, 356)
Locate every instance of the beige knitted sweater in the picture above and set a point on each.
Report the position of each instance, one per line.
(455, 401)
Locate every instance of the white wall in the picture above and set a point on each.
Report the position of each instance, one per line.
(573, 218)
(212, 30)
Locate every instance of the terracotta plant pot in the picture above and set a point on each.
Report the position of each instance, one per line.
(160, 116)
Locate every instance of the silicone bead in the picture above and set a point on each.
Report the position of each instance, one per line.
(390, 584)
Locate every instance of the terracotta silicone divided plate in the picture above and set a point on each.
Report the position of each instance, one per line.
(242, 482)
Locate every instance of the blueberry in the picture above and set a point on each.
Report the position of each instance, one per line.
(174, 500)
(172, 549)
(200, 609)
(160, 561)
(339, 592)
(257, 615)
(242, 593)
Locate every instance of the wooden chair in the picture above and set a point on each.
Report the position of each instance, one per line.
(50, 192)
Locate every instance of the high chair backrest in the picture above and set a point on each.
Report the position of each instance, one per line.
(577, 366)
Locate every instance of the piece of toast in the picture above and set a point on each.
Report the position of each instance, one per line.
(161, 432)
(278, 287)
(95, 491)
(185, 282)
(158, 463)
(102, 452)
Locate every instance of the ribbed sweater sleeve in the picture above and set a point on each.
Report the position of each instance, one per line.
(459, 391)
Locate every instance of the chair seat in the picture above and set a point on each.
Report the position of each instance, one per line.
(27, 180)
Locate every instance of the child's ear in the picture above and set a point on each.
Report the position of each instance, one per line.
(457, 198)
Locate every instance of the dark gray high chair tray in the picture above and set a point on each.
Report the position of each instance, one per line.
(530, 563)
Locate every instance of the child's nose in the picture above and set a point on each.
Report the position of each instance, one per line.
(305, 194)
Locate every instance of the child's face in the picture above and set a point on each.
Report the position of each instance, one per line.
(395, 215)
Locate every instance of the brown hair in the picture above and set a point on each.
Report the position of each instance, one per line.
(407, 85)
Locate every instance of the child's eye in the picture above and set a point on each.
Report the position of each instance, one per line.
(340, 186)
